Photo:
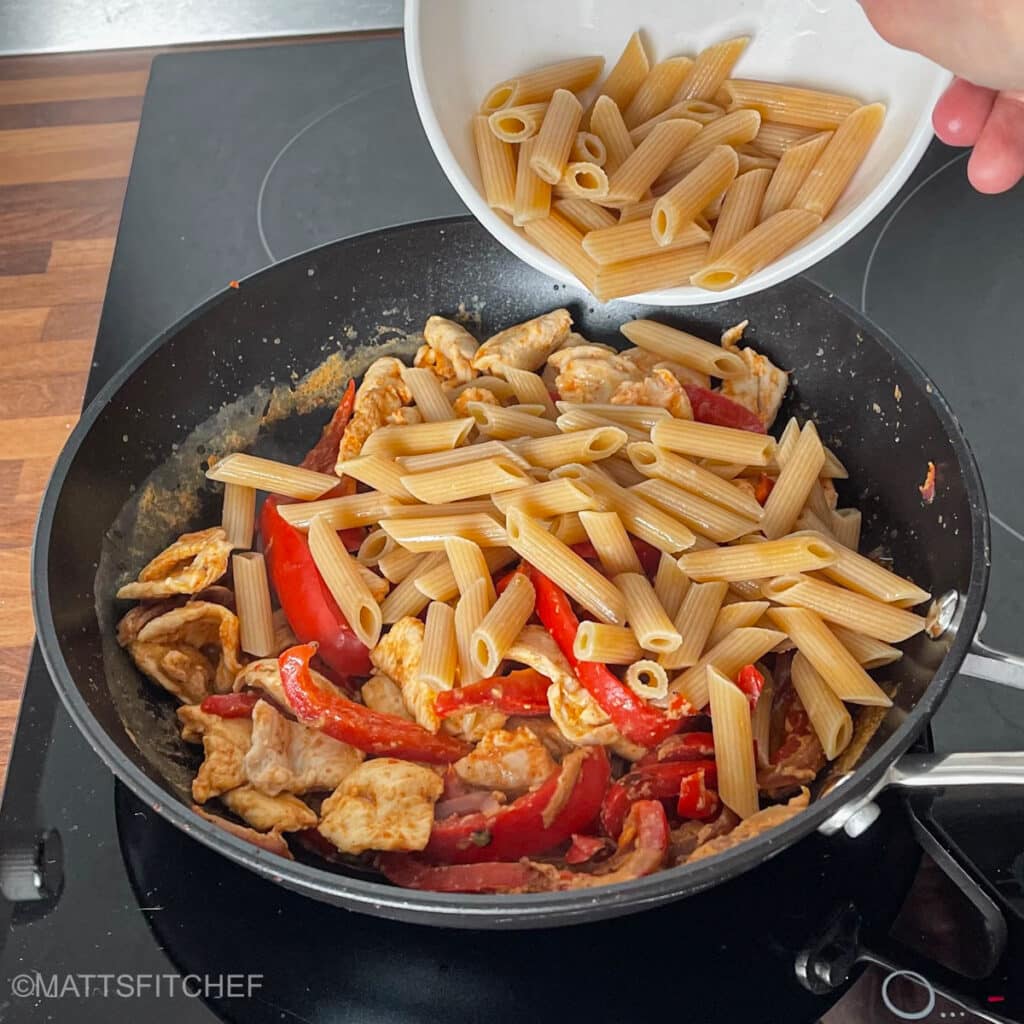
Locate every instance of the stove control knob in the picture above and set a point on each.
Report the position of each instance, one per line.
(32, 867)
(862, 819)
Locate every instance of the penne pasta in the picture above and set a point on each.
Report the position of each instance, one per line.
(553, 143)
(689, 110)
(582, 446)
(846, 523)
(741, 209)
(758, 561)
(700, 515)
(470, 610)
(502, 624)
(379, 473)
(405, 599)
(539, 86)
(341, 574)
(837, 666)
(734, 745)
(459, 457)
(806, 108)
(634, 240)
(488, 476)
(609, 645)
(499, 387)
(677, 208)
(754, 251)
(871, 653)
(606, 121)
(793, 487)
(588, 148)
(738, 615)
(711, 68)
(794, 166)
(752, 161)
(656, 90)
(239, 515)
(503, 424)
(610, 540)
(621, 471)
(581, 418)
(392, 441)
(830, 720)
(568, 528)
(448, 508)
(468, 564)
(708, 441)
(513, 125)
(561, 241)
(694, 621)
(668, 269)
(266, 475)
(565, 568)
(739, 648)
(532, 199)
(440, 583)
(628, 75)
(635, 175)
(497, 166)
(670, 584)
(733, 129)
(439, 658)
(428, 395)
(547, 499)
(530, 389)
(680, 347)
(584, 215)
(636, 417)
(808, 521)
(257, 634)
(397, 564)
(761, 721)
(653, 629)
(340, 513)
(429, 533)
(774, 139)
(647, 679)
(376, 544)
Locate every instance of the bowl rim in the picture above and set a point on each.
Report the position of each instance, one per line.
(791, 264)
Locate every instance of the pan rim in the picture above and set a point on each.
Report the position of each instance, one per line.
(523, 910)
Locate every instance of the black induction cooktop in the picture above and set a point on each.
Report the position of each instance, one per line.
(247, 156)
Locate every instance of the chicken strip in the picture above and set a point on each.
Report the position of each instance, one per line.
(449, 351)
(660, 389)
(764, 820)
(225, 743)
(273, 842)
(525, 346)
(647, 362)
(762, 390)
(382, 694)
(397, 656)
(284, 813)
(191, 563)
(381, 399)
(510, 761)
(461, 404)
(589, 373)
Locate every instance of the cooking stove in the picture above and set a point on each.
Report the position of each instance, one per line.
(247, 156)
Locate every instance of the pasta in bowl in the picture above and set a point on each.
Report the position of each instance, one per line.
(549, 615)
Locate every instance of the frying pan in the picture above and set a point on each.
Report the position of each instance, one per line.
(236, 373)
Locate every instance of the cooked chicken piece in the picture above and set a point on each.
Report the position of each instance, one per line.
(285, 756)
(284, 813)
(473, 724)
(648, 362)
(588, 373)
(385, 372)
(398, 657)
(524, 346)
(661, 389)
(273, 842)
(135, 618)
(546, 731)
(192, 632)
(732, 336)
(764, 820)
(265, 676)
(461, 403)
(579, 717)
(385, 804)
(512, 762)
(762, 390)
(192, 562)
(574, 338)
(379, 407)
(225, 743)
(382, 694)
(536, 648)
(449, 350)
(691, 834)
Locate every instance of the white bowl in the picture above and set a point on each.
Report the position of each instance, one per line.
(457, 49)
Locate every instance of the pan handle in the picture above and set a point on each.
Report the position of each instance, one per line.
(983, 662)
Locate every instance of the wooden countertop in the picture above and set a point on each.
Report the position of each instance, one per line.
(67, 132)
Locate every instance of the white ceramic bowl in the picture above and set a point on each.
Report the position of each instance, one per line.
(457, 49)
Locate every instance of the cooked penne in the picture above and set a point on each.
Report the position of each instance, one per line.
(634, 240)
(377, 585)
(561, 241)
(631, 180)
(758, 561)
(497, 166)
(530, 389)
(656, 90)
(738, 615)
(871, 653)
(830, 720)
(342, 576)
(428, 395)
(239, 515)
(392, 441)
(588, 148)
(532, 199)
(488, 476)
(708, 441)
(553, 143)
(739, 648)
(799, 474)
(741, 209)
(459, 457)
(547, 499)
(379, 473)
(648, 273)
(731, 130)
(628, 75)
(685, 200)
(670, 584)
(606, 120)
(503, 424)
(761, 722)
(439, 658)
(621, 470)
(807, 108)
(341, 513)
(679, 347)
(583, 446)
(448, 508)
(376, 544)
(808, 521)
(429, 533)
(734, 745)
(647, 679)
(794, 166)
(699, 514)
(845, 526)
(584, 215)
(252, 599)
(711, 68)
(694, 621)
(563, 566)
(837, 666)
(468, 564)
(514, 124)
(470, 610)
(406, 599)
(610, 645)
(610, 540)
(569, 529)
(581, 418)
(749, 160)
(266, 475)
(844, 607)
(754, 251)
(650, 623)
(660, 464)
(774, 139)
(502, 624)
(636, 417)
(840, 159)
(440, 583)
(689, 110)
(397, 564)
(538, 86)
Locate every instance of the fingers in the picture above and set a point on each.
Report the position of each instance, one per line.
(961, 113)
(997, 163)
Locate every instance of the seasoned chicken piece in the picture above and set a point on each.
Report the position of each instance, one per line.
(764, 820)
(449, 351)
(588, 373)
(524, 346)
(579, 717)
(385, 372)
(135, 618)
(265, 676)
(284, 813)
(385, 804)
(270, 841)
(647, 362)
(398, 657)
(461, 403)
(536, 648)
(225, 743)
(382, 694)
(512, 762)
(762, 390)
(194, 632)
(732, 336)
(379, 407)
(285, 756)
(192, 562)
(474, 723)
(574, 338)
(661, 389)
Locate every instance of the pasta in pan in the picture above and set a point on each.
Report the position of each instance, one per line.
(527, 574)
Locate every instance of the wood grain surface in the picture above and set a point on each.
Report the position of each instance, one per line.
(67, 131)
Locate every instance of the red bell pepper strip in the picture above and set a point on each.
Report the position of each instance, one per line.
(696, 801)
(751, 682)
(412, 872)
(648, 554)
(359, 726)
(764, 488)
(635, 719)
(323, 456)
(518, 829)
(652, 782)
(586, 848)
(230, 705)
(712, 407)
(687, 746)
(502, 584)
(524, 692)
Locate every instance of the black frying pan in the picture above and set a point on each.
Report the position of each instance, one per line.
(130, 480)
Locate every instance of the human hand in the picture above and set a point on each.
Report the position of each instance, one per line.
(982, 42)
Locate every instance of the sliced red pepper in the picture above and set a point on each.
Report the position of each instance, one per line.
(751, 682)
(687, 746)
(524, 692)
(496, 876)
(711, 407)
(764, 488)
(635, 719)
(518, 829)
(505, 580)
(230, 705)
(345, 720)
(323, 456)
(648, 554)
(652, 782)
(696, 801)
(586, 848)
